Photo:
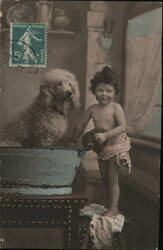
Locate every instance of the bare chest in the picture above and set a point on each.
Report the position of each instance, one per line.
(103, 118)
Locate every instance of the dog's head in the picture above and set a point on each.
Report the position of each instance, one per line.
(60, 86)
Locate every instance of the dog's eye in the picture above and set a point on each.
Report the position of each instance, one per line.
(69, 84)
(59, 84)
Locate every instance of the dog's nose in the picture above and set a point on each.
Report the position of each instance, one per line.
(68, 93)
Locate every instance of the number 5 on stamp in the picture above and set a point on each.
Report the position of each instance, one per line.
(28, 44)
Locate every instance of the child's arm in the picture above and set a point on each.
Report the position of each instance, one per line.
(120, 128)
(81, 126)
(120, 120)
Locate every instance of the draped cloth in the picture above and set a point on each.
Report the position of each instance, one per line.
(143, 76)
(101, 227)
(120, 151)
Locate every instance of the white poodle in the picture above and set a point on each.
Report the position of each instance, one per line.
(44, 122)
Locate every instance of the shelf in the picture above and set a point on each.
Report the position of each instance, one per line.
(55, 32)
(61, 32)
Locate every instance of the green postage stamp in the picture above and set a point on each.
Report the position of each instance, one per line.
(28, 44)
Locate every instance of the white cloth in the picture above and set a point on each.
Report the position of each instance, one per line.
(92, 209)
(102, 227)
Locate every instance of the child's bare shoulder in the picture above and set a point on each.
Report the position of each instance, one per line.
(117, 106)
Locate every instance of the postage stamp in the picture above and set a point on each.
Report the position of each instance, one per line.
(28, 44)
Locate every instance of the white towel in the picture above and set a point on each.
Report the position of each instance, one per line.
(92, 209)
(102, 227)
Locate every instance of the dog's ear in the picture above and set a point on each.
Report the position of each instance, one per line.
(45, 94)
(76, 96)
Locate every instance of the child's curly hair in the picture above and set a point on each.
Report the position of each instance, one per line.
(107, 76)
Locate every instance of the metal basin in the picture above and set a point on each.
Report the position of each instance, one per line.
(39, 170)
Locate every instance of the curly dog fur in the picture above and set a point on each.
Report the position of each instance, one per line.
(44, 122)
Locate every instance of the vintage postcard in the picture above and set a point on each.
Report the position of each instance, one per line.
(80, 124)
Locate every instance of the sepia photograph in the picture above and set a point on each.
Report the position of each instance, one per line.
(80, 124)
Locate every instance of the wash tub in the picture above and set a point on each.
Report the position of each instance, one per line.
(48, 171)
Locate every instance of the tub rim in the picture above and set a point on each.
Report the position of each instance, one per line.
(49, 147)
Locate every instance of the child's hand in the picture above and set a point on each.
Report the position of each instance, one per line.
(100, 137)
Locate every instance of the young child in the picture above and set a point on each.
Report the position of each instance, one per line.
(108, 117)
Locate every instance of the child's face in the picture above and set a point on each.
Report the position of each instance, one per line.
(104, 93)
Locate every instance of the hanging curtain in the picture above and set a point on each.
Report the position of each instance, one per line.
(143, 76)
